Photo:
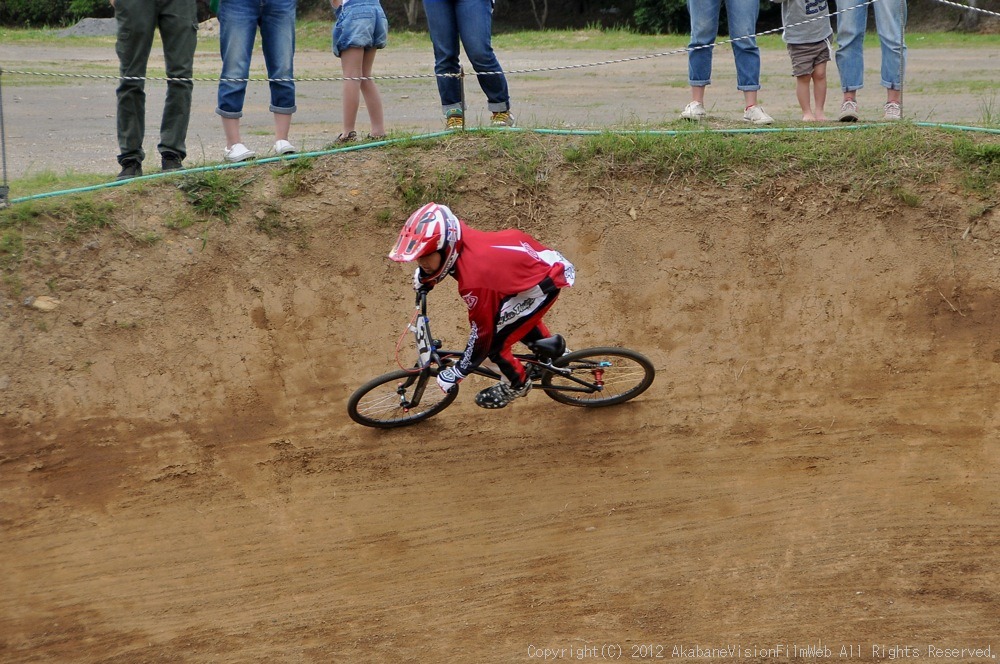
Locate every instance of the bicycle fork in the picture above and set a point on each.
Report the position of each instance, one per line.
(418, 392)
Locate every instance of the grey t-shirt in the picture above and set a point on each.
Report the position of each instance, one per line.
(799, 29)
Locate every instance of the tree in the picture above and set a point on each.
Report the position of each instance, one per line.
(540, 19)
(412, 11)
(661, 16)
(970, 19)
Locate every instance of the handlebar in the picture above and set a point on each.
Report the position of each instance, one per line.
(421, 300)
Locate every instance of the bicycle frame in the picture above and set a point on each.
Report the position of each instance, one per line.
(430, 355)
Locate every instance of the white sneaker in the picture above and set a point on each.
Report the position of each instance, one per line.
(848, 111)
(893, 111)
(284, 147)
(693, 111)
(239, 152)
(756, 115)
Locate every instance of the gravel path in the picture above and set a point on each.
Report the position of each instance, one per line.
(67, 124)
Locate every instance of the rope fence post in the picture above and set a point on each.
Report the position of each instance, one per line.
(4, 188)
(461, 85)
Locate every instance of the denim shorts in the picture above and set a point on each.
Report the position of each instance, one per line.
(360, 24)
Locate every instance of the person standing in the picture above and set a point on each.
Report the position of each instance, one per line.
(472, 22)
(852, 21)
(704, 29)
(360, 30)
(807, 32)
(239, 21)
(137, 21)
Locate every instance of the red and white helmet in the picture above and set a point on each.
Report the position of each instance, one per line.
(431, 228)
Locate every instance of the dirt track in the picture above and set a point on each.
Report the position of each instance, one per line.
(816, 463)
(71, 126)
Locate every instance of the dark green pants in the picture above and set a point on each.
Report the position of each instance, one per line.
(178, 24)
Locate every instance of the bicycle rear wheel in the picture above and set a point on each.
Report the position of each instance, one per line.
(601, 377)
(385, 402)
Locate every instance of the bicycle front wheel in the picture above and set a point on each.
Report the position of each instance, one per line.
(600, 377)
(386, 402)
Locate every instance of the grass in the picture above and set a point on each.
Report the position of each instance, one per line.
(48, 180)
(293, 176)
(887, 158)
(25, 228)
(216, 193)
(315, 35)
(522, 156)
(86, 215)
(989, 111)
(899, 162)
(33, 224)
(980, 164)
(974, 85)
(416, 184)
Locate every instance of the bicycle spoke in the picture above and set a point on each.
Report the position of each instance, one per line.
(600, 377)
(378, 403)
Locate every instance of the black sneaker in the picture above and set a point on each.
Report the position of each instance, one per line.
(170, 161)
(501, 394)
(130, 169)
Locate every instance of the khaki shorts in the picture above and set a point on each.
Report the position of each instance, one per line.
(805, 57)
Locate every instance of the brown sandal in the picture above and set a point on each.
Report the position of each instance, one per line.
(346, 138)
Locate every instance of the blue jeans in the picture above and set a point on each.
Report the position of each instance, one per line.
(238, 24)
(890, 18)
(360, 24)
(705, 28)
(472, 21)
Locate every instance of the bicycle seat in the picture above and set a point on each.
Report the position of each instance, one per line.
(549, 348)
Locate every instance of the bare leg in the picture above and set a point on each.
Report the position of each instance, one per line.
(802, 94)
(282, 123)
(373, 100)
(819, 90)
(231, 126)
(750, 98)
(698, 94)
(351, 62)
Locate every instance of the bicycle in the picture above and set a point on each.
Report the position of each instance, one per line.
(591, 378)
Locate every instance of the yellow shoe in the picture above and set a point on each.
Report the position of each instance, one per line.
(455, 119)
(503, 119)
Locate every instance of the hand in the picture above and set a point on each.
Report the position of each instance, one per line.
(448, 379)
(418, 285)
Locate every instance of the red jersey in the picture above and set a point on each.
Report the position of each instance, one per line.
(492, 267)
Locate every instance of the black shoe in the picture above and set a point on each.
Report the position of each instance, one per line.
(130, 169)
(170, 161)
(501, 394)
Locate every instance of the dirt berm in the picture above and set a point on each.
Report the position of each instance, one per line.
(816, 463)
